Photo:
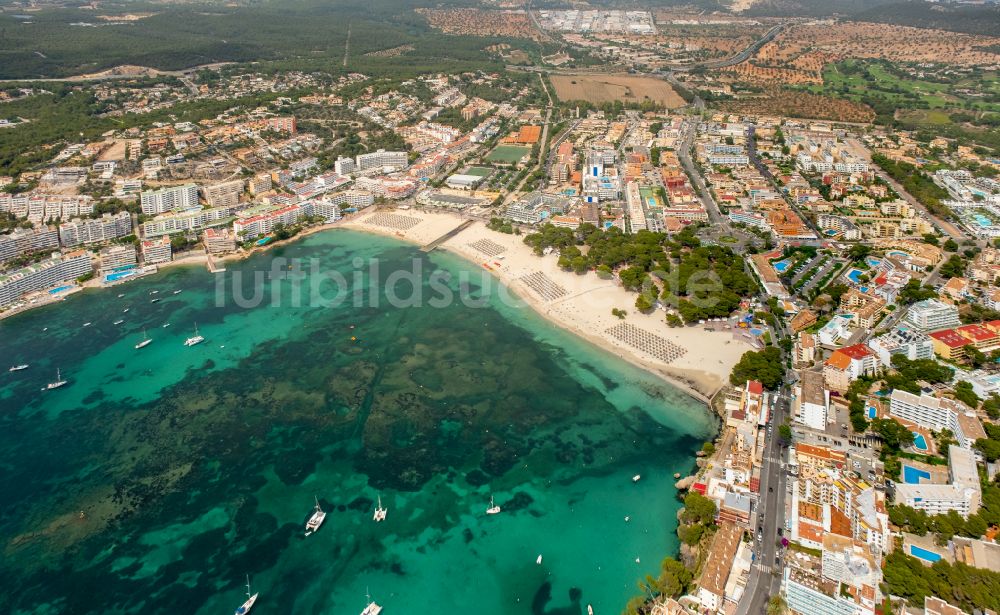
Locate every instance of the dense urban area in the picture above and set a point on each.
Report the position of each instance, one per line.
(819, 192)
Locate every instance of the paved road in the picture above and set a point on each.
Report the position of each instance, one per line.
(684, 153)
(741, 56)
(765, 577)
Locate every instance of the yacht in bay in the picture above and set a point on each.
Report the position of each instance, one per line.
(380, 512)
(58, 382)
(146, 341)
(372, 608)
(246, 606)
(17, 368)
(316, 519)
(493, 509)
(197, 339)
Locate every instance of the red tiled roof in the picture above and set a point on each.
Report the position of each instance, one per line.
(950, 338)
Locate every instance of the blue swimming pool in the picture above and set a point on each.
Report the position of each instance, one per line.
(919, 442)
(872, 412)
(782, 266)
(913, 476)
(898, 253)
(854, 275)
(924, 554)
(56, 291)
(121, 275)
(873, 262)
(830, 232)
(982, 220)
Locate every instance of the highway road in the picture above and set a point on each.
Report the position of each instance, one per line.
(741, 56)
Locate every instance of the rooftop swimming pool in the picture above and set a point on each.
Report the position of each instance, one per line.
(924, 554)
(782, 266)
(913, 476)
(919, 442)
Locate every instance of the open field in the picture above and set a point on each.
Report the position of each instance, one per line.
(478, 171)
(508, 154)
(609, 88)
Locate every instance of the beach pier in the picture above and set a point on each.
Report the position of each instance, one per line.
(443, 238)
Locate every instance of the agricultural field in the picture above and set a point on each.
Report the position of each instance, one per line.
(508, 154)
(609, 88)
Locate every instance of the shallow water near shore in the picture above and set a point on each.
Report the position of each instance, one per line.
(158, 478)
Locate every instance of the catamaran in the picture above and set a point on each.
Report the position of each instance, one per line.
(316, 519)
(17, 368)
(146, 341)
(58, 383)
(371, 608)
(493, 509)
(380, 512)
(245, 608)
(197, 339)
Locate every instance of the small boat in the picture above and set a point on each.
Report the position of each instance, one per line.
(166, 325)
(627, 518)
(153, 292)
(316, 519)
(197, 339)
(120, 295)
(372, 608)
(246, 606)
(493, 509)
(146, 341)
(17, 368)
(58, 383)
(636, 478)
(118, 322)
(380, 512)
(125, 311)
(177, 292)
(87, 324)
(154, 300)
(45, 329)
(590, 610)
(539, 560)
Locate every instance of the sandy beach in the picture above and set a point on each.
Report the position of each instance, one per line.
(692, 358)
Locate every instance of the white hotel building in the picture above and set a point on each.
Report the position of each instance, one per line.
(932, 314)
(186, 221)
(936, 414)
(169, 199)
(962, 494)
(48, 273)
(105, 228)
(382, 160)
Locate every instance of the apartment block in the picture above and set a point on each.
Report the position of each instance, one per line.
(962, 494)
(117, 257)
(56, 270)
(226, 194)
(932, 314)
(156, 251)
(87, 231)
(175, 198)
(24, 241)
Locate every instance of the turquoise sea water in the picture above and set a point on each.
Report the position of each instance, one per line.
(157, 478)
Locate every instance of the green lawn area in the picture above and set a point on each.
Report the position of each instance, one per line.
(508, 154)
(478, 171)
(925, 116)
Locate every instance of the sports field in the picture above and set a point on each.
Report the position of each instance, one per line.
(508, 154)
(478, 171)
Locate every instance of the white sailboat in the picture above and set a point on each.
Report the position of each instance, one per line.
(197, 339)
(590, 610)
(380, 512)
(493, 509)
(371, 607)
(246, 606)
(58, 383)
(146, 341)
(316, 519)
(539, 559)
